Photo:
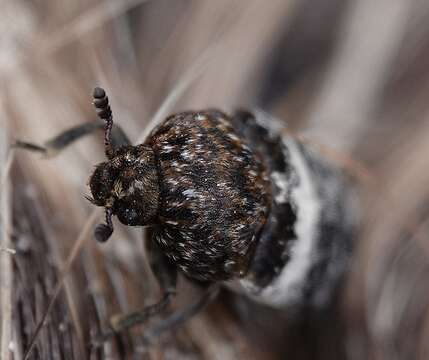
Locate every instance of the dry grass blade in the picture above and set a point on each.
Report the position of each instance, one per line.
(78, 245)
(354, 81)
(89, 20)
(191, 74)
(6, 273)
(8, 250)
(6, 169)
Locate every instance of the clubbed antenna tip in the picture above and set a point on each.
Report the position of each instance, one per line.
(102, 232)
(102, 108)
(99, 93)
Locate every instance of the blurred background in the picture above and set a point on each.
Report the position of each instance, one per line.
(350, 75)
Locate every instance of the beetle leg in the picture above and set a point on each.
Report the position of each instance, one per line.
(170, 323)
(166, 275)
(119, 323)
(55, 145)
(178, 318)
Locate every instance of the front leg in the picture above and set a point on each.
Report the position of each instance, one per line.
(58, 143)
(160, 264)
(166, 276)
(180, 317)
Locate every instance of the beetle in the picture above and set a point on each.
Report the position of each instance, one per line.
(226, 200)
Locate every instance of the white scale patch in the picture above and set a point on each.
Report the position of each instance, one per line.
(287, 287)
(281, 181)
(190, 193)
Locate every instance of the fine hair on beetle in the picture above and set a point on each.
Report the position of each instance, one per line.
(189, 167)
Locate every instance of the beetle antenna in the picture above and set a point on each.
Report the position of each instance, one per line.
(102, 107)
(102, 232)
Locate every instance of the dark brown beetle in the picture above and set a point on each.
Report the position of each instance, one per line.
(194, 180)
(225, 199)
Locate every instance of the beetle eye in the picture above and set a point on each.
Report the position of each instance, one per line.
(126, 213)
